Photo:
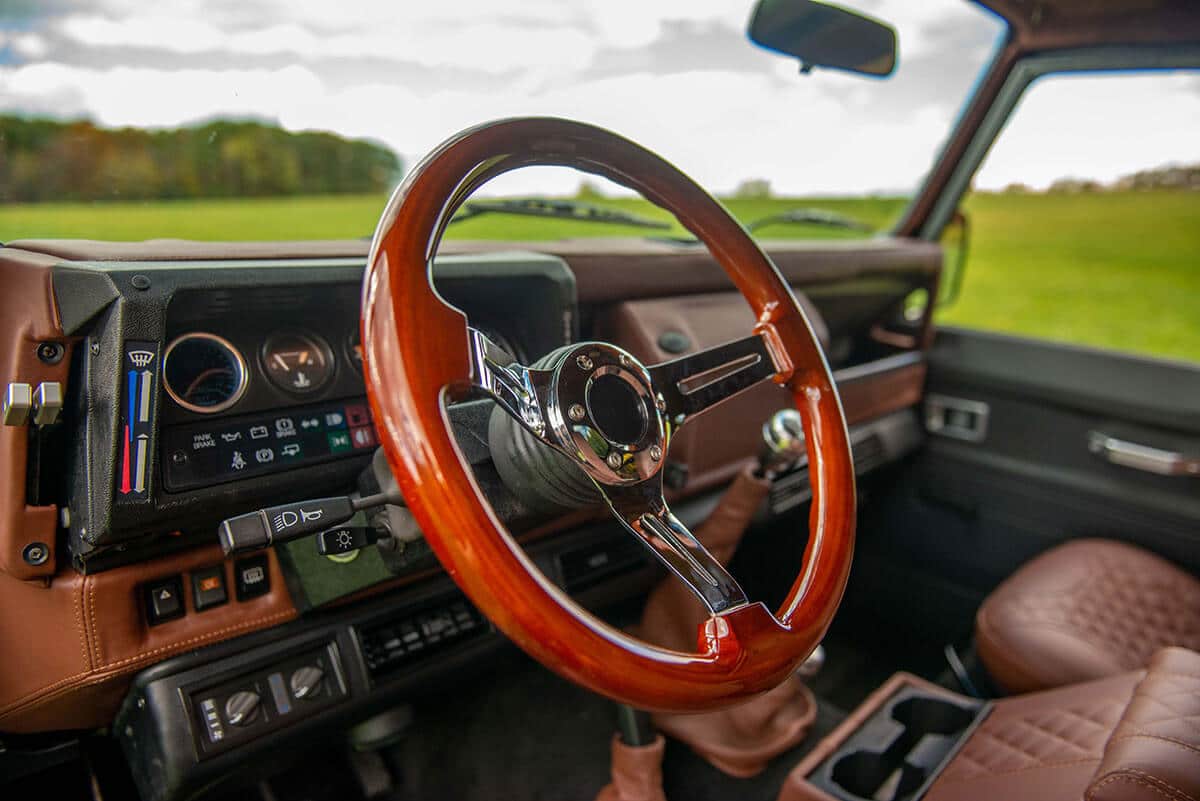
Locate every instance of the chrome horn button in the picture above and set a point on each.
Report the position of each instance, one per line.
(620, 436)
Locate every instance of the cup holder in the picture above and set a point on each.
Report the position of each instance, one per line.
(932, 716)
(900, 749)
(869, 775)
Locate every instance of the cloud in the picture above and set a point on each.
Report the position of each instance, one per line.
(684, 46)
(471, 47)
(677, 75)
(135, 96)
(1093, 126)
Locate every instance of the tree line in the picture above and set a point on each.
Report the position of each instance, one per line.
(1172, 177)
(51, 160)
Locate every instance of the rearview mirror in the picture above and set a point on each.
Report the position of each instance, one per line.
(823, 35)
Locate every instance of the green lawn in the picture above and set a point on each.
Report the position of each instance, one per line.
(1116, 270)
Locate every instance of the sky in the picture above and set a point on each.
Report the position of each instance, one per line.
(676, 75)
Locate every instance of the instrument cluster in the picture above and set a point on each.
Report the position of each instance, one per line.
(205, 373)
(218, 386)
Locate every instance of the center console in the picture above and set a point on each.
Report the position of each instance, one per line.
(891, 748)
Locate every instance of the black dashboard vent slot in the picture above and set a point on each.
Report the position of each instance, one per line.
(397, 642)
(792, 489)
(588, 566)
(789, 491)
(869, 453)
(192, 306)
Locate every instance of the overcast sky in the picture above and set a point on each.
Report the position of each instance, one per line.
(676, 75)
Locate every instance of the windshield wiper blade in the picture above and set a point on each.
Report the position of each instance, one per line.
(810, 216)
(801, 216)
(556, 209)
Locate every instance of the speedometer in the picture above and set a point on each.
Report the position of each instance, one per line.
(204, 373)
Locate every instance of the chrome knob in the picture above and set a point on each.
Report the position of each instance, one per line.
(306, 681)
(241, 707)
(810, 667)
(783, 443)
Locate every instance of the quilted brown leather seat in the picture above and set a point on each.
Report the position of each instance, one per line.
(1133, 737)
(1130, 737)
(1084, 610)
(1039, 747)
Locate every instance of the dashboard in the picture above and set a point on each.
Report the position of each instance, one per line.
(243, 385)
(203, 381)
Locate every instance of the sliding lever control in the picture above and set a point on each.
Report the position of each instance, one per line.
(283, 523)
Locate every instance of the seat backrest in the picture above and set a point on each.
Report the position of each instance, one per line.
(1154, 753)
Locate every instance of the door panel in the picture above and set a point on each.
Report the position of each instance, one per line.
(968, 511)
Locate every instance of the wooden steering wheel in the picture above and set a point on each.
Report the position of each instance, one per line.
(611, 416)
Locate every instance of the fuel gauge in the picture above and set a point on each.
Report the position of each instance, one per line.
(297, 363)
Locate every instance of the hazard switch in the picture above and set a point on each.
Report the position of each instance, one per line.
(164, 600)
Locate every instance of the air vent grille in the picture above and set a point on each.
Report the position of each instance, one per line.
(400, 641)
(792, 489)
(868, 453)
(588, 566)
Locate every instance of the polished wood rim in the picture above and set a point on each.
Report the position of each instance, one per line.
(416, 359)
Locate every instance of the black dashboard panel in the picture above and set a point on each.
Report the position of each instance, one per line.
(277, 441)
(148, 459)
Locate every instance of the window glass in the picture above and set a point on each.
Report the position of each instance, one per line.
(1085, 217)
(264, 119)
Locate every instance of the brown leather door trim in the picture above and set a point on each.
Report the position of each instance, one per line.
(29, 317)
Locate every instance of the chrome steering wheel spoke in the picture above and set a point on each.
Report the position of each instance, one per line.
(695, 383)
(613, 417)
(521, 391)
(642, 510)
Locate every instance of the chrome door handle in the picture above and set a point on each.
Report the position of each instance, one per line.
(1142, 457)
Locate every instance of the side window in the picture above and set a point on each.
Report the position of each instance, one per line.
(1085, 217)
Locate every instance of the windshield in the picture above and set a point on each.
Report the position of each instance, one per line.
(261, 119)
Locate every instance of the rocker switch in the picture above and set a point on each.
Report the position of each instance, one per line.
(164, 600)
(18, 402)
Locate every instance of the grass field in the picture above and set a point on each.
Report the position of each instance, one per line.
(1114, 270)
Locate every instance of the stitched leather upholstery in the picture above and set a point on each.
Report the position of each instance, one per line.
(1155, 752)
(1084, 610)
(1039, 747)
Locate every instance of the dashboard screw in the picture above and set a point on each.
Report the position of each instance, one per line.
(614, 460)
(50, 352)
(140, 282)
(655, 452)
(36, 553)
(584, 361)
(576, 412)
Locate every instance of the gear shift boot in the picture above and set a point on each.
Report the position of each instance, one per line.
(740, 740)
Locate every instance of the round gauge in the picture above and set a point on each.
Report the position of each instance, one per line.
(204, 373)
(297, 363)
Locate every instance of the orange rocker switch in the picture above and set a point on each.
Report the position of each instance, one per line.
(208, 587)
